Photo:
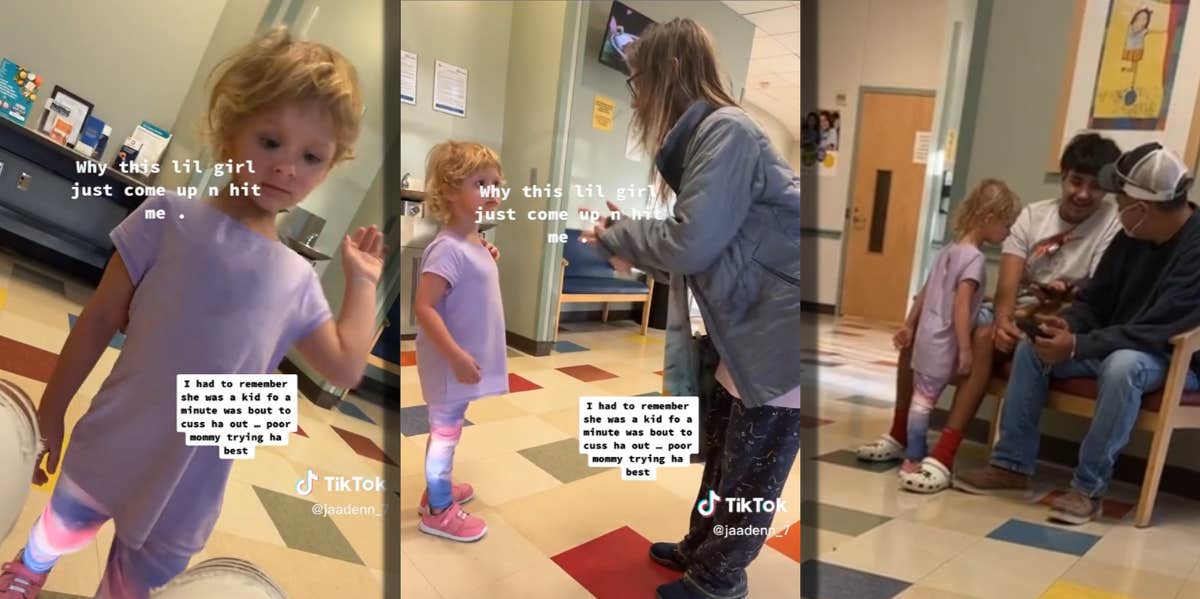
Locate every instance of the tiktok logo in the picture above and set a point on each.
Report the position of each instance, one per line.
(707, 507)
(305, 485)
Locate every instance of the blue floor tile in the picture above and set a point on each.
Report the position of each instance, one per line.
(348, 408)
(650, 394)
(819, 580)
(117, 342)
(1044, 537)
(566, 347)
(414, 420)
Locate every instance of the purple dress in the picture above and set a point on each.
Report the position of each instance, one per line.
(935, 348)
(211, 297)
(473, 313)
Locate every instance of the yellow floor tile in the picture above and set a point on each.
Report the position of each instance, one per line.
(1143, 584)
(1071, 590)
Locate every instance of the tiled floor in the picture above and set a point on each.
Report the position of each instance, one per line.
(874, 541)
(561, 529)
(264, 519)
(557, 527)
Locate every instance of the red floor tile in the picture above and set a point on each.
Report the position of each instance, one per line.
(1113, 509)
(587, 373)
(517, 384)
(658, 372)
(26, 360)
(615, 566)
(300, 431)
(364, 446)
(787, 542)
(408, 358)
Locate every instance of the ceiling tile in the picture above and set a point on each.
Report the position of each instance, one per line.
(775, 22)
(766, 47)
(750, 6)
(791, 41)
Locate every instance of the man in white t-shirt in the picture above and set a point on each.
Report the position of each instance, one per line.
(1055, 243)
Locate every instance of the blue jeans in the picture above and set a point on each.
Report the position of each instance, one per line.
(1123, 377)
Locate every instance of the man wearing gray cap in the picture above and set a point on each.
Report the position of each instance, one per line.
(1145, 290)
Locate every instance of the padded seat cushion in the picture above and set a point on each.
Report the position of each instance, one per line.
(1088, 389)
(577, 285)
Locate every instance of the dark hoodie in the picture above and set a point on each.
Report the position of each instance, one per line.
(1141, 295)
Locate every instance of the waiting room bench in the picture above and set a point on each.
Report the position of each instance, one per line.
(1162, 413)
(585, 277)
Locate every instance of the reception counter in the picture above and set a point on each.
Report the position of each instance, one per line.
(38, 217)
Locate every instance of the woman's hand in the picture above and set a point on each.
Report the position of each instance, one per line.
(362, 254)
(51, 427)
(620, 264)
(903, 338)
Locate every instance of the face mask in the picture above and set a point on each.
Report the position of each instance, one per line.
(1129, 231)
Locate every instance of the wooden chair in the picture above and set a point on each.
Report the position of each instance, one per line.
(1162, 413)
(584, 277)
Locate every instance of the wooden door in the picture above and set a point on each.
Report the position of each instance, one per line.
(885, 205)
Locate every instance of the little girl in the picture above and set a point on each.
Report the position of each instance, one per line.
(461, 350)
(207, 289)
(947, 306)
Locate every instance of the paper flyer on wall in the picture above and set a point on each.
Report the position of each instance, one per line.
(450, 89)
(408, 77)
(18, 91)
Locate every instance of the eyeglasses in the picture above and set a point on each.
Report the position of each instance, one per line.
(629, 83)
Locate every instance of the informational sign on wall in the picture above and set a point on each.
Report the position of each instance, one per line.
(603, 110)
(450, 89)
(921, 144)
(408, 77)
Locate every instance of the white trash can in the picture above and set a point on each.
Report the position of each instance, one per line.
(223, 577)
(19, 449)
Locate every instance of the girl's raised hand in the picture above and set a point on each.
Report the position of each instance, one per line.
(362, 254)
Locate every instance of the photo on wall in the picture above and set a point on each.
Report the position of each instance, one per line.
(820, 138)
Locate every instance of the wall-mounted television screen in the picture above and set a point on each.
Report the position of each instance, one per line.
(624, 26)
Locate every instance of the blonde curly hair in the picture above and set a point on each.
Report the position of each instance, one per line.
(276, 68)
(448, 165)
(991, 198)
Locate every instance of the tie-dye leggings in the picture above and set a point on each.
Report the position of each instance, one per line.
(445, 429)
(71, 520)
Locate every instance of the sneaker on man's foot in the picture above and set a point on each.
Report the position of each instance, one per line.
(667, 555)
(1075, 508)
(994, 481)
(17, 581)
(459, 493)
(454, 524)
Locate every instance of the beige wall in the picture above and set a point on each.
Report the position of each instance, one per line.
(531, 108)
(472, 34)
(236, 25)
(776, 132)
(134, 59)
(865, 43)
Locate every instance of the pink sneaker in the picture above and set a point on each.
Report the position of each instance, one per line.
(454, 524)
(17, 581)
(459, 493)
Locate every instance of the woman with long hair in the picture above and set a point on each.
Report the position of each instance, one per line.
(733, 242)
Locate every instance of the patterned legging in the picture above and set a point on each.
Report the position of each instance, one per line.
(71, 520)
(445, 429)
